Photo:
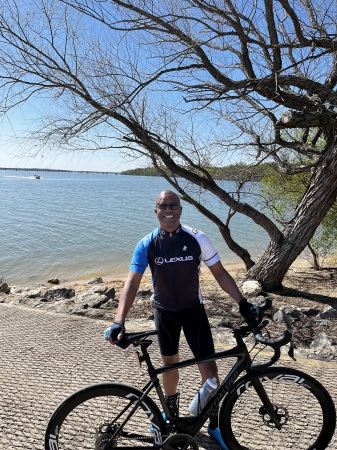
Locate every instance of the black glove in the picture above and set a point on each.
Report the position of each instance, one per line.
(247, 310)
(116, 329)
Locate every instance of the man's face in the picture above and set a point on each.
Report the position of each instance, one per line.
(168, 211)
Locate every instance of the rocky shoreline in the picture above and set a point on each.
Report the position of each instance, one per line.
(311, 312)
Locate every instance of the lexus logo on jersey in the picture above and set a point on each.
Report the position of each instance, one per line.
(159, 261)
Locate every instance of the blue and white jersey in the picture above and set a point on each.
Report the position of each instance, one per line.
(174, 259)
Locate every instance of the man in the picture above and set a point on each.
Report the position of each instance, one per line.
(174, 253)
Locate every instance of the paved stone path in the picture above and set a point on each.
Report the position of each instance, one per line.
(47, 356)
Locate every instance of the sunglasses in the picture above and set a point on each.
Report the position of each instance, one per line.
(164, 206)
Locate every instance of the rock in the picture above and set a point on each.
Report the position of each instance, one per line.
(328, 313)
(111, 304)
(104, 290)
(111, 293)
(288, 314)
(251, 288)
(235, 310)
(96, 280)
(5, 288)
(225, 323)
(309, 311)
(34, 294)
(323, 347)
(91, 300)
(19, 290)
(54, 281)
(98, 290)
(57, 293)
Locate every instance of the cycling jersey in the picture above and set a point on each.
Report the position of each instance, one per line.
(174, 259)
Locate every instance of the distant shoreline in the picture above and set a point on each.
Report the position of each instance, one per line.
(225, 173)
(58, 170)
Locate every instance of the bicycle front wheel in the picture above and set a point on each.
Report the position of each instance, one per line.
(103, 417)
(303, 406)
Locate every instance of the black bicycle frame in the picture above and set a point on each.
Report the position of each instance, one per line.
(192, 424)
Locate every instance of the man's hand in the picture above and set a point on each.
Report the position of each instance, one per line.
(248, 310)
(116, 332)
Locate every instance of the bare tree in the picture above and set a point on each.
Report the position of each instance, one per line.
(186, 83)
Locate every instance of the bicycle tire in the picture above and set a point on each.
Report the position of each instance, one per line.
(86, 420)
(308, 413)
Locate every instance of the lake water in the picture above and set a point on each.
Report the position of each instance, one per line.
(74, 226)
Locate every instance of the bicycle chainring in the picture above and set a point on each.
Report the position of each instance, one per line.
(180, 442)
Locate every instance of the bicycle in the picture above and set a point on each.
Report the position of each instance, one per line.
(265, 408)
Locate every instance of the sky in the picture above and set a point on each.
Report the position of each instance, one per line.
(18, 155)
(18, 152)
(95, 162)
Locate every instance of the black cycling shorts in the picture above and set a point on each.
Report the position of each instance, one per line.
(195, 325)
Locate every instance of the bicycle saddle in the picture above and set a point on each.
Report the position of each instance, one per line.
(134, 338)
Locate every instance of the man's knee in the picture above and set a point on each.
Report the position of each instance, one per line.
(171, 359)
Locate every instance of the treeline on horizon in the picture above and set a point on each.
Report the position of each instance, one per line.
(233, 172)
(239, 171)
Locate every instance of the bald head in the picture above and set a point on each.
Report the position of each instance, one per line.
(165, 194)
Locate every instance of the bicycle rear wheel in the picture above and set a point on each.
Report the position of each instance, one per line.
(304, 407)
(89, 418)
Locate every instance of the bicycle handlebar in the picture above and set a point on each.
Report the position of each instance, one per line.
(256, 326)
(276, 342)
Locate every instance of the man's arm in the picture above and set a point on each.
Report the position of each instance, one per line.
(127, 297)
(226, 281)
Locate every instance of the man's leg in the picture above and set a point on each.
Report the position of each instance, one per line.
(168, 337)
(170, 384)
(170, 378)
(207, 370)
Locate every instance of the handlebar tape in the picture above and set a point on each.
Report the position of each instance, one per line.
(276, 342)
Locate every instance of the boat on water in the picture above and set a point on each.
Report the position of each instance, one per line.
(37, 177)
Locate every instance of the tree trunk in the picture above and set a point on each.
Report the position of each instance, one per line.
(315, 203)
(315, 261)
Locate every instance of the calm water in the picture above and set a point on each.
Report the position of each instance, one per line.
(77, 225)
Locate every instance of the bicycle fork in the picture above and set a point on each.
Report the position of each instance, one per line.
(269, 408)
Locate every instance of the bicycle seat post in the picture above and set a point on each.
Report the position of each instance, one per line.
(145, 357)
